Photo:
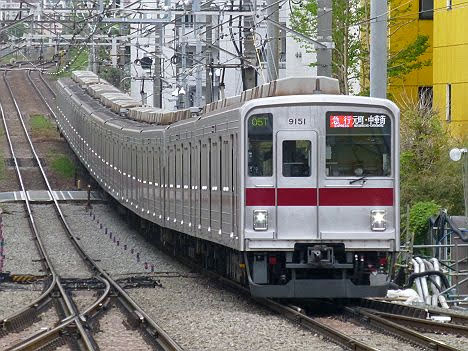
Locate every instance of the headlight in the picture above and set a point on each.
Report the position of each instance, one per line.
(260, 219)
(378, 220)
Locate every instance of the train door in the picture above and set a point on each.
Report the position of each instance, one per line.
(214, 187)
(205, 167)
(227, 196)
(178, 186)
(187, 179)
(296, 183)
(196, 188)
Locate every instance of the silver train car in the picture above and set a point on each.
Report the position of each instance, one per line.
(289, 188)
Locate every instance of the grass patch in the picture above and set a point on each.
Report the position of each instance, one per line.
(62, 165)
(41, 126)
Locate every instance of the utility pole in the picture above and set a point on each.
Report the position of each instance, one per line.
(209, 75)
(157, 98)
(184, 98)
(324, 36)
(249, 75)
(378, 49)
(114, 52)
(272, 12)
(198, 101)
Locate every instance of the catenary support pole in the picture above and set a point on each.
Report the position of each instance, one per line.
(272, 47)
(324, 36)
(249, 75)
(378, 49)
(209, 78)
(198, 100)
(157, 98)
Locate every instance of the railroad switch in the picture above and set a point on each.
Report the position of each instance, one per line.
(139, 282)
(95, 284)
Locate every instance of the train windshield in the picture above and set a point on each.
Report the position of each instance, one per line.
(260, 152)
(358, 144)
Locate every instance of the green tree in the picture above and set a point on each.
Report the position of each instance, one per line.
(426, 171)
(420, 214)
(351, 27)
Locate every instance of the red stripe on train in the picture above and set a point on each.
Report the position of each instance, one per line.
(328, 197)
(356, 197)
(260, 197)
(297, 197)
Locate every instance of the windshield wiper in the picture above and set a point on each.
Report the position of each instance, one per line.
(363, 179)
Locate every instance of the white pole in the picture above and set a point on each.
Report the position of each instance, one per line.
(378, 49)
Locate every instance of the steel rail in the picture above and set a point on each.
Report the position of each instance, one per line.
(47, 85)
(13, 320)
(387, 326)
(70, 307)
(145, 321)
(56, 332)
(294, 315)
(413, 311)
(424, 324)
(309, 323)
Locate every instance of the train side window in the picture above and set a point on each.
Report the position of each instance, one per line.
(296, 158)
(260, 145)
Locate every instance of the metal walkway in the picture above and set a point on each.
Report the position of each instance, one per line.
(45, 196)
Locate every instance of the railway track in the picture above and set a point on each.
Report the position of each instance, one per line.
(425, 312)
(395, 327)
(362, 315)
(409, 330)
(74, 326)
(292, 313)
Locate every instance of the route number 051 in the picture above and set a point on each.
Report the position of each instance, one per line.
(296, 121)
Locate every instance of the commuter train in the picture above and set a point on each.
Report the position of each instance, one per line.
(289, 188)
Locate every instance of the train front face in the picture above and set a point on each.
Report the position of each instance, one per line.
(321, 193)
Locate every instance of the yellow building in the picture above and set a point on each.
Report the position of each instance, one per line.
(450, 62)
(408, 19)
(446, 79)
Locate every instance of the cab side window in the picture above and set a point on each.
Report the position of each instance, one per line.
(260, 145)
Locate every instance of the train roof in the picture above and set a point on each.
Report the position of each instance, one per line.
(281, 87)
(119, 101)
(141, 118)
(334, 100)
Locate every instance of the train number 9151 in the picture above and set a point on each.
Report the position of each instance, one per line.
(296, 121)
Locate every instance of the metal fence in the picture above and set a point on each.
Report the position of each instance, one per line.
(448, 246)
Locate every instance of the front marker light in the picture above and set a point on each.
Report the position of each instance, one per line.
(378, 220)
(260, 219)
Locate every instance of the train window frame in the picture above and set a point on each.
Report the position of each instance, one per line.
(295, 162)
(268, 127)
(390, 145)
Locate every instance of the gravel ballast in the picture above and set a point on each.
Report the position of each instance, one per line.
(14, 297)
(459, 342)
(367, 335)
(61, 251)
(196, 312)
(114, 333)
(47, 319)
(21, 256)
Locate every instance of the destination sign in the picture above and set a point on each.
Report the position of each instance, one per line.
(358, 121)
